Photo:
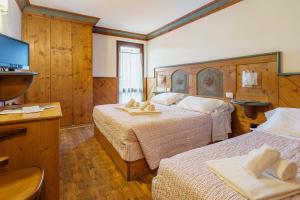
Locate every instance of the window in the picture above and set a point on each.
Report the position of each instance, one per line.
(130, 71)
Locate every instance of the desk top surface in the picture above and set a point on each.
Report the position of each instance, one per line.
(51, 113)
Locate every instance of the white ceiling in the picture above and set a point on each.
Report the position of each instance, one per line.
(140, 16)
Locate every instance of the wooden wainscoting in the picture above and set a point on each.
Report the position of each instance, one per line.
(289, 91)
(105, 90)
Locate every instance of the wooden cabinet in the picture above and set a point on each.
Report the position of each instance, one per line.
(61, 68)
(61, 52)
(82, 70)
(36, 31)
(33, 140)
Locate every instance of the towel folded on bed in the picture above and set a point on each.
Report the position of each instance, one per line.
(283, 169)
(230, 170)
(145, 105)
(258, 160)
(132, 103)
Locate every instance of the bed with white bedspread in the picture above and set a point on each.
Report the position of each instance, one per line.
(186, 176)
(159, 136)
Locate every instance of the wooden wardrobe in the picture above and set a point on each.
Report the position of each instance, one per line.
(61, 52)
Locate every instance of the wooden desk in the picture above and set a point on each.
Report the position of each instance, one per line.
(33, 140)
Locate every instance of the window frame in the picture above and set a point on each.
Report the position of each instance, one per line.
(130, 44)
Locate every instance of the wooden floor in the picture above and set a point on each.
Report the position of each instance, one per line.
(87, 173)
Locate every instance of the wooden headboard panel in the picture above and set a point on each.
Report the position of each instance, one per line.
(264, 64)
(272, 87)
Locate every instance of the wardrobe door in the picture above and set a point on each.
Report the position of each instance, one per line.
(36, 31)
(61, 68)
(82, 73)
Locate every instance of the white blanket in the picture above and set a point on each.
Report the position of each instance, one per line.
(230, 170)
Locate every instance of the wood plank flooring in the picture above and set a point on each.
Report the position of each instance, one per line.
(87, 173)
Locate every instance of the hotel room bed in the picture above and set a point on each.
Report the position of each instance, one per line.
(186, 176)
(153, 137)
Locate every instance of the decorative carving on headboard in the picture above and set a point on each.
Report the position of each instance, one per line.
(210, 82)
(180, 82)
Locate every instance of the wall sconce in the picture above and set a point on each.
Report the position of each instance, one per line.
(3, 7)
(249, 79)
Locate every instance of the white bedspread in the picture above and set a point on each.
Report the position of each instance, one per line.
(231, 171)
(186, 176)
(117, 126)
(120, 129)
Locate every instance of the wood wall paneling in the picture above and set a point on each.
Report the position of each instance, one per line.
(82, 73)
(105, 90)
(151, 87)
(61, 68)
(289, 91)
(36, 31)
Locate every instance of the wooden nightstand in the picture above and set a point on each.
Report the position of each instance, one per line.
(250, 107)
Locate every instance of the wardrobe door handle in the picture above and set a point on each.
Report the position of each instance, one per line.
(7, 134)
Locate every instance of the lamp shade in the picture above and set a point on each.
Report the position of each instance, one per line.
(3, 7)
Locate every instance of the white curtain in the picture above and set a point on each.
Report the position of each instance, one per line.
(130, 74)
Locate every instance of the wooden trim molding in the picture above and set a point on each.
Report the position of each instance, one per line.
(201, 12)
(192, 16)
(276, 54)
(22, 4)
(119, 33)
(40, 10)
(186, 19)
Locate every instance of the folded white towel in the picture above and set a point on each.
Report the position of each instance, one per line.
(258, 160)
(130, 103)
(283, 169)
(144, 106)
(230, 170)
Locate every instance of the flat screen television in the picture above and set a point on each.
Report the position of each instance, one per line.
(14, 54)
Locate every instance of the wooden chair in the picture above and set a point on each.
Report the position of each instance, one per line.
(23, 184)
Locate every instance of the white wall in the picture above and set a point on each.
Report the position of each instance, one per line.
(249, 27)
(105, 54)
(10, 24)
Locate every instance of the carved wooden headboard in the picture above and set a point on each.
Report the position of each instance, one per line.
(215, 78)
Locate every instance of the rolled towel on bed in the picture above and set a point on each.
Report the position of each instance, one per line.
(283, 169)
(150, 107)
(144, 106)
(130, 103)
(137, 104)
(258, 160)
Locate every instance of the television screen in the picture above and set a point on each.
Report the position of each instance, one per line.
(13, 53)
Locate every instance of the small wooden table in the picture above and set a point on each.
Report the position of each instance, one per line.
(33, 140)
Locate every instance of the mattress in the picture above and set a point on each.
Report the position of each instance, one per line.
(185, 176)
(117, 126)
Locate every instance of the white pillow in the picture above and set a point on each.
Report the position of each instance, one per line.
(167, 98)
(285, 121)
(200, 104)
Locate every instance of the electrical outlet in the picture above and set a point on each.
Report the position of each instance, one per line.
(229, 95)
